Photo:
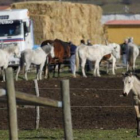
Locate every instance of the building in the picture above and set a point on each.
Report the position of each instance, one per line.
(118, 30)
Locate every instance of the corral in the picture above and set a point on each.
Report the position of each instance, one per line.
(95, 104)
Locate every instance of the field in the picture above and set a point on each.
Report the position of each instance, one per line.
(98, 111)
(81, 134)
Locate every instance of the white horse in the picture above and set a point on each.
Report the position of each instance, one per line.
(132, 82)
(5, 54)
(112, 58)
(132, 54)
(94, 53)
(37, 57)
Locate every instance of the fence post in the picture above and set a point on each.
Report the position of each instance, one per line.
(37, 108)
(11, 100)
(66, 110)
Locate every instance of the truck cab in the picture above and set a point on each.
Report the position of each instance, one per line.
(16, 27)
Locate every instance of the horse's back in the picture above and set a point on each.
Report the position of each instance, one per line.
(90, 52)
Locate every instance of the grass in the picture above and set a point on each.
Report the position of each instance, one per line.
(57, 134)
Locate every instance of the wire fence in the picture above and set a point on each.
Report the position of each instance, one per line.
(91, 89)
(75, 89)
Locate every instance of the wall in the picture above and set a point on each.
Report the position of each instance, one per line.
(118, 33)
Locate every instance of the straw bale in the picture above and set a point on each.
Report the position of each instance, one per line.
(65, 20)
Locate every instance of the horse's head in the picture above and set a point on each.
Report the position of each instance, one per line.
(48, 49)
(128, 80)
(115, 50)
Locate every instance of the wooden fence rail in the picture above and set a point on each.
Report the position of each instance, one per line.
(17, 97)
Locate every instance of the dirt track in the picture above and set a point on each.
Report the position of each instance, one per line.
(95, 104)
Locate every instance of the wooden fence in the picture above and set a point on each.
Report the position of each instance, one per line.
(16, 97)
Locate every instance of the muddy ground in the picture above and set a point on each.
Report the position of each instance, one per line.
(95, 104)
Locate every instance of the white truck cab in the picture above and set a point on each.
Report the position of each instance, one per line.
(16, 27)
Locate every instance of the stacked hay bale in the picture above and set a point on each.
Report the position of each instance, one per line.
(64, 20)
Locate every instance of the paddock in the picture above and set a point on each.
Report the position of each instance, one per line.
(95, 104)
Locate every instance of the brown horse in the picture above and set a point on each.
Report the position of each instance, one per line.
(61, 51)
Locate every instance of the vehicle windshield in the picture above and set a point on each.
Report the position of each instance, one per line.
(13, 29)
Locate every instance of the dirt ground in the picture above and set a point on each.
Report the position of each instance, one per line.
(95, 104)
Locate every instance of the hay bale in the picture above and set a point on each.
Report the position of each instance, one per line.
(66, 21)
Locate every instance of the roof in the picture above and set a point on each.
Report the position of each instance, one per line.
(123, 22)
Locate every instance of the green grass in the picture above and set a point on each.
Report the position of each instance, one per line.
(55, 134)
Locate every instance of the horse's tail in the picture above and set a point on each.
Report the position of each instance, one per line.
(77, 59)
(22, 60)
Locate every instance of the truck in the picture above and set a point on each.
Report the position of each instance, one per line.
(16, 27)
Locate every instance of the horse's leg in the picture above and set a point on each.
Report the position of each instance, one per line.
(40, 70)
(26, 70)
(113, 66)
(59, 66)
(46, 69)
(127, 65)
(54, 70)
(74, 71)
(17, 73)
(83, 67)
(107, 67)
(97, 68)
(37, 72)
